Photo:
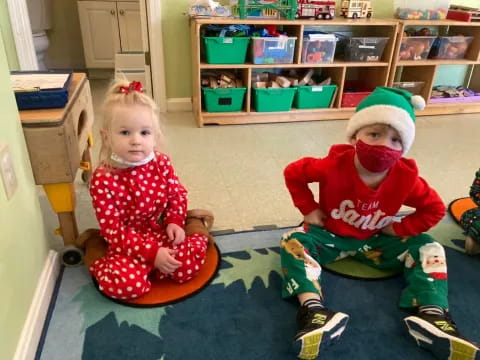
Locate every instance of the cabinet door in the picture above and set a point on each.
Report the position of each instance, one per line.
(100, 34)
(130, 26)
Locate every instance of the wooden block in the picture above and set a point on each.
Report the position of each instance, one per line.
(260, 84)
(264, 76)
(260, 77)
(223, 84)
(283, 81)
(238, 83)
(213, 82)
(306, 78)
(293, 81)
(227, 79)
(228, 74)
(274, 85)
(327, 81)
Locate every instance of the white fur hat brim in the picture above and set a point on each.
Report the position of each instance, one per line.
(394, 116)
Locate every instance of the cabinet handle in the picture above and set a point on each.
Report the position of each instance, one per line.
(122, 12)
(112, 12)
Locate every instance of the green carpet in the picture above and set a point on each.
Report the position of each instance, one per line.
(240, 315)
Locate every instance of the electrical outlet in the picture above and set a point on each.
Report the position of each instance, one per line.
(7, 170)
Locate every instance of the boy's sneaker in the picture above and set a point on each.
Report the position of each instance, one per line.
(472, 247)
(318, 327)
(439, 334)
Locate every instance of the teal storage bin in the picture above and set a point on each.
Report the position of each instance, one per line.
(224, 99)
(267, 100)
(314, 97)
(226, 50)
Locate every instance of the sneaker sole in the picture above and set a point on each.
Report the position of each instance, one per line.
(310, 343)
(442, 345)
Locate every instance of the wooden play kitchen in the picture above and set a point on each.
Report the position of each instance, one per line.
(59, 142)
(356, 73)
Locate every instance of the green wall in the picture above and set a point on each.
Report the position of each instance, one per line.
(23, 244)
(7, 36)
(177, 42)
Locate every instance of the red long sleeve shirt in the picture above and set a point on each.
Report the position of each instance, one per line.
(355, 210)
(129, 202)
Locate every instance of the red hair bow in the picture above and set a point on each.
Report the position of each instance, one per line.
(134, 85)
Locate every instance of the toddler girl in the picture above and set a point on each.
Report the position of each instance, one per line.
(140, 204)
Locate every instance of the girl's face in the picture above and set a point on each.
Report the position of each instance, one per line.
(379, 134)
(132, 134)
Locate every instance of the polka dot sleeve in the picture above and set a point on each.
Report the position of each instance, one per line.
(121, 239)
(176, 209)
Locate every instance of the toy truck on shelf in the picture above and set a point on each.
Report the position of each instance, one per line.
(318, 9)
(356, 9)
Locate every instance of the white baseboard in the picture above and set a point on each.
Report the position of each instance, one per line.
(32, 329)
(179, 104)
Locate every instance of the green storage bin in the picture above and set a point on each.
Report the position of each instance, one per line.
(226, 50)
(224, 99)
(313, 97)
(266, 100)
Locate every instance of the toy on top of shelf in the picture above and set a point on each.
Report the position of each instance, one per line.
(316, 9)
(264, 8)
(356, 9)
(463, 13)
(421, 9)
(207, 8)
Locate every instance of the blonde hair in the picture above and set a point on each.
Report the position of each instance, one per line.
(125, 93)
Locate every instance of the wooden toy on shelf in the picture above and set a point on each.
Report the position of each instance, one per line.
(356, 9)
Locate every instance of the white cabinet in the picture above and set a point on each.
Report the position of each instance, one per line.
(130, 26)
(109, 27)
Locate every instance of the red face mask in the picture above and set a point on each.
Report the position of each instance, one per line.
(376, 158)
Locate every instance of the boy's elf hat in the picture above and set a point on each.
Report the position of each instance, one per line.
(390, 106)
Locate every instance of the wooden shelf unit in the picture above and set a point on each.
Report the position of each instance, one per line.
(374, 73)
(426, 70)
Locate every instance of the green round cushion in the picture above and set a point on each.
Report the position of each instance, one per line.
(355, 269)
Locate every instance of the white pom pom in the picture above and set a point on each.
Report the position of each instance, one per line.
(418, 102)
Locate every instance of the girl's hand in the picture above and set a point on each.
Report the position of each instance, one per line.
(165, 260)
(175, 233)
(315, 217)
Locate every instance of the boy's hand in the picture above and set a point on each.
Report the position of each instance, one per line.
(389, 230)
(315, 217)
(165, 261)
(175, 233)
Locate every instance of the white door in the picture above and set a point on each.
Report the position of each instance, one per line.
(100, 32)
(130, 26)
(133, 62)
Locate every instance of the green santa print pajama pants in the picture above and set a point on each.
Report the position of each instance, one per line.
(421, 257)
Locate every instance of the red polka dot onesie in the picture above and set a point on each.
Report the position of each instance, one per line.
(128, 204)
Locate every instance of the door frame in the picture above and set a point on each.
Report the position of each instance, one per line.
(22, 34)
(151, 11)
(151, 14)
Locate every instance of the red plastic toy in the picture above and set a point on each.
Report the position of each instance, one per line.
(318, 9)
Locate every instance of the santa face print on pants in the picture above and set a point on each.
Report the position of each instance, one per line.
(433, 260)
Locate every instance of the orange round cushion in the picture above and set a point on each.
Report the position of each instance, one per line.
(459, 206)
(165, 291)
